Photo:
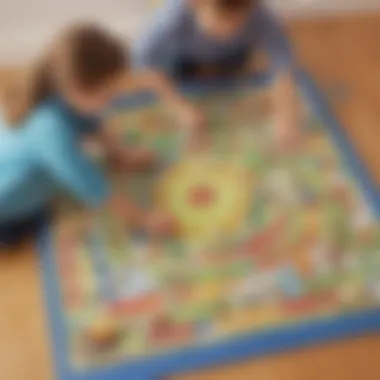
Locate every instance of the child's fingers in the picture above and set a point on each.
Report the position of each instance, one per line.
(290, 140)
(76, 227)
(160, 224)
(136, 159)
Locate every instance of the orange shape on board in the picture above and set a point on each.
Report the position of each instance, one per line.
(250, 318)
(165, 331)
(151, 303)
(310, 304)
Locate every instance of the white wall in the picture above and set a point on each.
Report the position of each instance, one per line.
(26, 25)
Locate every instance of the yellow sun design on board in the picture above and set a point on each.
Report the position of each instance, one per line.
(208, 198)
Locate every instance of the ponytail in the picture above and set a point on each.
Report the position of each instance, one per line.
(26, 91)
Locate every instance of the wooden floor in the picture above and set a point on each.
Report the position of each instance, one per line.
(337, 51)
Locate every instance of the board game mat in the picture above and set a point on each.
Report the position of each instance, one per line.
(275, 249)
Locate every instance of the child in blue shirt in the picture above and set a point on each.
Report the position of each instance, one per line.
(197, 38)
(45, 118)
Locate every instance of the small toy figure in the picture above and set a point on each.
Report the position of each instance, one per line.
(103, 335)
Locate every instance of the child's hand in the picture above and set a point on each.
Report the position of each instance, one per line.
(195, 122)
(198, 142)
(75, 229)
(287, 112)
(289, 138)
(135, 159)
(140, 158)
(191, 117)
(185, 112)
(160, 224)
(288, 131)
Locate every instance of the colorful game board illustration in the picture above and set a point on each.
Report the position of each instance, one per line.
(267, 239)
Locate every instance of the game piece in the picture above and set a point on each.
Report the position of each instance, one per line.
(161, 328)
(260, 286)
(176, 248)
(180, 288)
(303, 263)
(204, 328)
(280, 184)
(133, 137)
(339, 231)
(166, 331)
(374, 290)
(289, 282)
(351, 292)
(324, 258)
(258, 245)
(103, 335)
(308, 196)
(141, 305)
(363, 218)
(206, 292)
(318, 302)
(135, 283)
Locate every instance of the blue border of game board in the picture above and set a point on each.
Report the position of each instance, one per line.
(236, 349)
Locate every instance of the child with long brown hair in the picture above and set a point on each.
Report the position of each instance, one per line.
(45, 117)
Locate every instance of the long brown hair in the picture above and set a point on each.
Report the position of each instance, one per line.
(84, 54)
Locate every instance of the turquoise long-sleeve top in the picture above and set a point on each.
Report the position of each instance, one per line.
(43, 157)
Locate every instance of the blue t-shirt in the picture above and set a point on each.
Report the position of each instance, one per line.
(44, 156)
(173, 35)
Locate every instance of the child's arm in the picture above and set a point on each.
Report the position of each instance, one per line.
(121, 158)
(152, 57)
(276, 44)
(62, 158)
(286, 108)
(150, 80)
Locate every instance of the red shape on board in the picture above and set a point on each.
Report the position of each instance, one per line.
(151, 303)
(164, 330)
(202, 195)
(258, 243)
(309, 303)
